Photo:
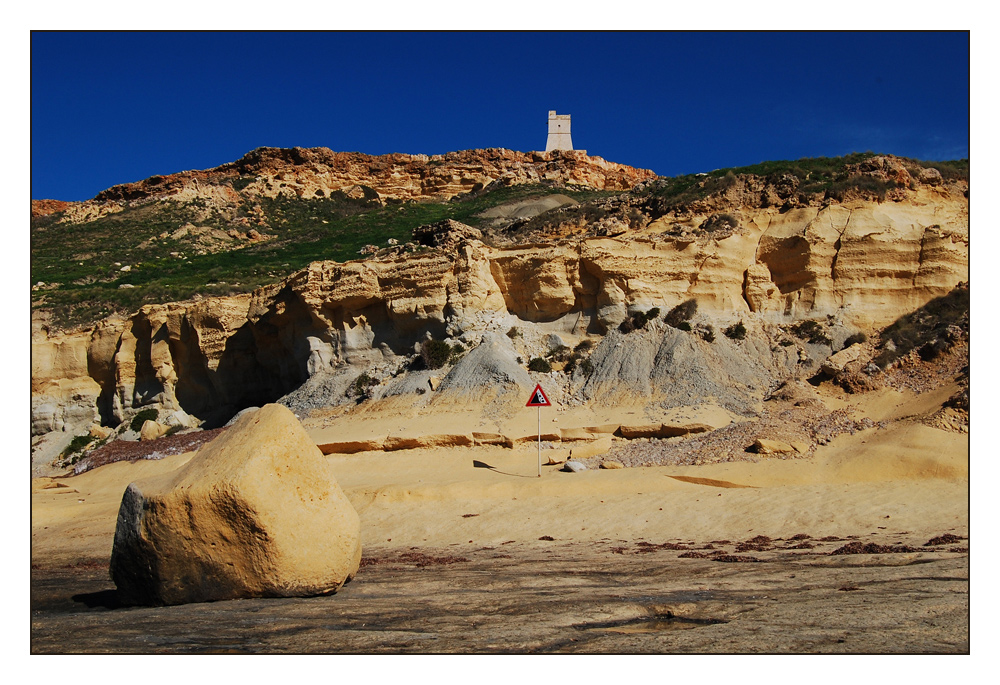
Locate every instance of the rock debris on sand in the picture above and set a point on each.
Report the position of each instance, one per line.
(124, 450)
(805, 426)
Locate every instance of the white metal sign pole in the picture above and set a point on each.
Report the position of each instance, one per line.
(539, 442)
(538, 399)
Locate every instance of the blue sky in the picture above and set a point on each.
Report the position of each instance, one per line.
(110, 108)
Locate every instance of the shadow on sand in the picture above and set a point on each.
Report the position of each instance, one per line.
(483, 465)
(105, 599)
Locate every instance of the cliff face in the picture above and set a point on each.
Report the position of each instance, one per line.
(864, 263)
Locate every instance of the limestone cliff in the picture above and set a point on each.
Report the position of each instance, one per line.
(864, 263)
(856, 248)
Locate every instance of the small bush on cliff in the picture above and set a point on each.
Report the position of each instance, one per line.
(812, 332)
(559, 354)
(866, 187)
(639, 320)
(681, 313)
(435, 353)
(142, 417)
(361, 385)
(77, 444)
(540, 365)
(736, 332)
(577, 359)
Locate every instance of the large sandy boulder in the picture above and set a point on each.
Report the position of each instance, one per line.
(256, 513)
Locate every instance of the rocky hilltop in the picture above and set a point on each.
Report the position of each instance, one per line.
(318, 172)
(714, 288)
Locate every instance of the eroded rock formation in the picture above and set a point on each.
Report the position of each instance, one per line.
(864, 262)
(754, 249)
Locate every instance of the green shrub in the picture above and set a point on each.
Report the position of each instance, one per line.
(142, 417)
(361, 384)
(513, 333)
(786, 343)
(804, 329)
(583, 346)
(736, 332)
(435, 353)
(681, 313)
(684, 326)
(812, 332)
(540, 365)
(708, 334)
(587, 367)
(867, 187)
(77, 444)
(642, 318)
(559, 354)
(638, 320)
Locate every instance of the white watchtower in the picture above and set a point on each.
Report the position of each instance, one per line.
(559, 138)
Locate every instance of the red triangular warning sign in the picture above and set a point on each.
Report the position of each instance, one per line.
(538, 398)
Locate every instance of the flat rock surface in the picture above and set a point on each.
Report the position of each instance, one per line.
(607, 596)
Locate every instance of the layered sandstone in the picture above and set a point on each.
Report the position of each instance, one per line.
(865, 263)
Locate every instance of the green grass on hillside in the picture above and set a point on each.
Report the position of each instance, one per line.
(82, 257)
(85, 259)
(824, 175)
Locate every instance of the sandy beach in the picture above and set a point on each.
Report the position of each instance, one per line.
(446, 510)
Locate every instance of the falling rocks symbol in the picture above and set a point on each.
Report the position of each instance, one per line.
(538, 398)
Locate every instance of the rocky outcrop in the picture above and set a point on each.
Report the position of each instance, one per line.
(255, 513)
(863, 263)
(64, 395)
(41, 208)
(318, 172)
(846, 249)
(447, 234)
